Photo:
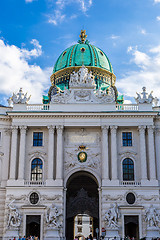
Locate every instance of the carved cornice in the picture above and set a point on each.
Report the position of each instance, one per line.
(51, 115)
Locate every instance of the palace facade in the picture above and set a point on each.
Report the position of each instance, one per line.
(83, 162)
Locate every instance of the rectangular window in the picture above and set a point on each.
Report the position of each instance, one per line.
(127, 139)
(38, 139)
(79, 229)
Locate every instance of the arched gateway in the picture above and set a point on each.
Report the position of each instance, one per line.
(82, 205)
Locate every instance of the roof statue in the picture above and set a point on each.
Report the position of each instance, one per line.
(145, 97)
(19, 98)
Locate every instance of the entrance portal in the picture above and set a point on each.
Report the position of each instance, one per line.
(33, 223)
(82, 201)
(131, 226)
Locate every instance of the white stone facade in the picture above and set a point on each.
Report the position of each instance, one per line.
(70, 127)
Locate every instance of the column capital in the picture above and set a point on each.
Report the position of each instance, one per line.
(51, 128)
(59, 129)
(105, 128)
(157, 131)
(14, 129)
(23, 129)
(141, 128)
(7, 131)
(113, 128)
(150, 128)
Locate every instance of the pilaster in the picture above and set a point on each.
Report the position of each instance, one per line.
(51, 130)
(13, 153)
(143, 159)
(105, 160)
(114, 152)
(23, 130)
(59, 159)
(151, 149)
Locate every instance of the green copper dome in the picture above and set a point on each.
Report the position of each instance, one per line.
(83, 54)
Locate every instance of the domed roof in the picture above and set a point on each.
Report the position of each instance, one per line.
(83, 54)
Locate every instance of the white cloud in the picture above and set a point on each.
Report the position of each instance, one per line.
(147, 75)
(156, 1)
(16, 72)
(158, 18)
(56, 18)
(114, 37)
(59, 14)
(143, 31)
(29, 1)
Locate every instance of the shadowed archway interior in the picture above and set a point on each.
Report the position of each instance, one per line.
(82, 198)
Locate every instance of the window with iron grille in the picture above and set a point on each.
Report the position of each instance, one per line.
(38, 139)
(127, 139)
(128, 170)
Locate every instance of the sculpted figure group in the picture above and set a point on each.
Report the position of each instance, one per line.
(152, 217)
(52, 218)
(111, 216)
(14, 219)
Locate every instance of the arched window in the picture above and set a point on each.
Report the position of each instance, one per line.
(36, 169)
(128, 170)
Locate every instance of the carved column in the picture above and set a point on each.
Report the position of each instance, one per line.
(13, 152)
(59, 160)
(151, 149)
(114, 152)
(22, 152)
(51, 152)
(105, 165)
(157, 143)
(143, 152)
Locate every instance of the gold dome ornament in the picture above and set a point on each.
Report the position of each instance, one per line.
(82, 157)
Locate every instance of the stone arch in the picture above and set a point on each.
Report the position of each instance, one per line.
(82, 197)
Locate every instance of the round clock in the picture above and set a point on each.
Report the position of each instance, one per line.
(82, 156)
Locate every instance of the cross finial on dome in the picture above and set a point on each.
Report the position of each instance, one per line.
(83, 36)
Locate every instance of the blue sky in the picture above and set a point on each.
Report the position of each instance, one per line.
(33, 33)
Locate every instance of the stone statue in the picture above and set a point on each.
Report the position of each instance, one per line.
(20, 97)
(53, 216)
(111, 216)
(14, 219)
(83, 74)
(144, 97)
(152, 217)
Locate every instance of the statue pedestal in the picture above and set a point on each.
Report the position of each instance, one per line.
(112, 234)
(52, 234)
(11, 233)
(152, 232)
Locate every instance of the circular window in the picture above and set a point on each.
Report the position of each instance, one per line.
(34, 198)
(83, 49)
(130, 198)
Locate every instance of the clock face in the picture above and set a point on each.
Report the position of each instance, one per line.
(82, 156)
